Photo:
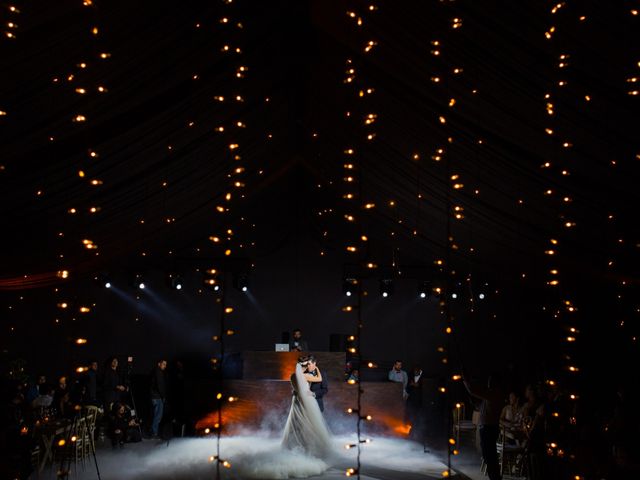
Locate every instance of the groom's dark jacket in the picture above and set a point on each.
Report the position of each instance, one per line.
(320, 389)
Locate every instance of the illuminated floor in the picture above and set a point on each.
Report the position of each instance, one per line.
(255, 457)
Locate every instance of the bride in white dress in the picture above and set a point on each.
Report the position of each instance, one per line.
(306, 449)
(306, 428)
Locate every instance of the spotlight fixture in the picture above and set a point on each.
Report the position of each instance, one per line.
(481, 296)
(386, 287)
(241, 282)
(423, 289)
(176, 282)
(103, 280)
(457, 290)
(139, 282)
(349, 286)
(212, 283)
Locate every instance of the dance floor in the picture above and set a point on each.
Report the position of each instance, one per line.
(256, 457)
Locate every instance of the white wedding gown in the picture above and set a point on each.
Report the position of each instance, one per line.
(306, 429)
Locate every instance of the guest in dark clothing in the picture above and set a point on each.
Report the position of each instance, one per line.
(112, 387)
(15, 443)
(176, 392)
(60, 391)
(36, 389)
(492, 398)
(158, 395)
(66, 407)
(91, 384)
(414, 402)
(297, 343)
(122, 427)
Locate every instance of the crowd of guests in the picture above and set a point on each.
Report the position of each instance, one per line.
(31, 401)
(551, 433)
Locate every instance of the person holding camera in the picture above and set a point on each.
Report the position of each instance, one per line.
(123, 428)
(158, 395)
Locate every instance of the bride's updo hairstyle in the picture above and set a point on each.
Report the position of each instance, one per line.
(304, 360)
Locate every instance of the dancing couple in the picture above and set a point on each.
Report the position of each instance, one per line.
(306, 428)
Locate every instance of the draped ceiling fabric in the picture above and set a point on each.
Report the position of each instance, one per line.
(156, 124)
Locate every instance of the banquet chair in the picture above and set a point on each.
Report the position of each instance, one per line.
(461, 425)
(73, 448)
(90, 415)
(511, 456)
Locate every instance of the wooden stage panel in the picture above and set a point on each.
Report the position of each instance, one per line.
(264, 396)
(264, 405)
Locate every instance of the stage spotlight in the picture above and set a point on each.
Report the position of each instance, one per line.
(241, 282)
(481, 296)
(454, 295)
(423, 289)
(139, 282)
(349, 286)
(176, 282)
(103, 280)
(386, 287)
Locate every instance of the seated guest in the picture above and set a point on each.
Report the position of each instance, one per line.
(16, 446)
(122, 427)
(66, 407)
(297, 343)
(511, 416)
(35, 389)
(44, 399)
(396, 374)
(531, 404)
(60, 391)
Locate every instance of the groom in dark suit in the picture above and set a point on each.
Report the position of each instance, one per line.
(319, 389)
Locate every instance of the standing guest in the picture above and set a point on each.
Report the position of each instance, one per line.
(158, 395)
(112, 387)
(396, 374)
(297, 343)
(414, 402)
(91, 394)
(177, 392)
(489, 424)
